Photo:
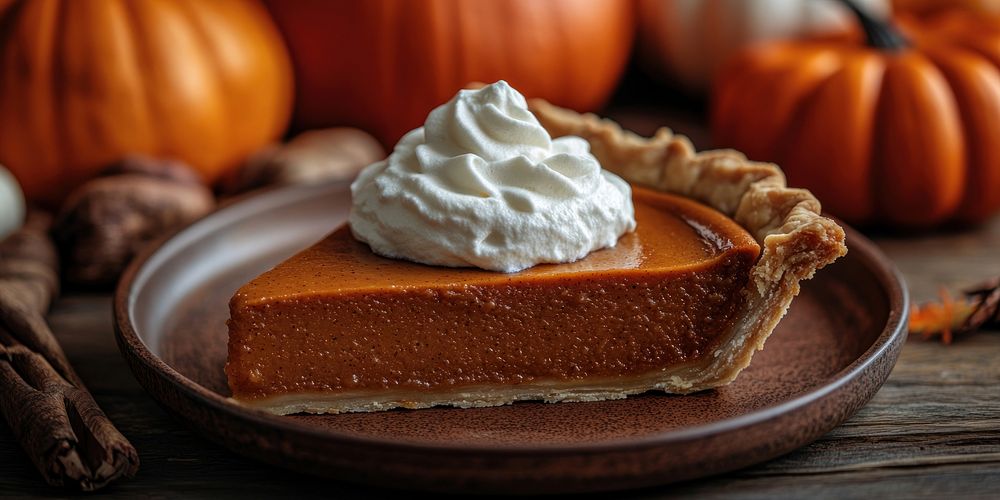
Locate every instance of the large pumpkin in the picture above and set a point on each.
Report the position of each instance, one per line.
(887, 131)
(84, 82)
(382, 65)
(688, 40)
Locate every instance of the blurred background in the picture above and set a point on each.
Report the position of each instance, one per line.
(888, 110)
(123, 120)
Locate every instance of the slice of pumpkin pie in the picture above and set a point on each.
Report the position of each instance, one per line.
(494, 257)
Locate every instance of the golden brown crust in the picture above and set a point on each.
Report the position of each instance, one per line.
(795, 238)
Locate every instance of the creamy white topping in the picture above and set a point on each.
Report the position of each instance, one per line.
(483, 184)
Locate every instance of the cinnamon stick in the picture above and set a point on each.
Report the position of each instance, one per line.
(53, 416)
(986, 312)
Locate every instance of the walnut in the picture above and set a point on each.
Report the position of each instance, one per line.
(106, 221)
(311, 157)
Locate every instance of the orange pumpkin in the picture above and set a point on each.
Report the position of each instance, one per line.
(84, 82)
(891, 130)
(382, 65)
(931, 6)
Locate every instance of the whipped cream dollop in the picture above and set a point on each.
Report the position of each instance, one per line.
(483, 184)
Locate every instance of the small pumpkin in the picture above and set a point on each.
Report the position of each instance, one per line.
(688, 40)
(382, 65)
(84, 83)
(894, 129)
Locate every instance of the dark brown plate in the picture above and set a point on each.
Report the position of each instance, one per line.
(825, 360)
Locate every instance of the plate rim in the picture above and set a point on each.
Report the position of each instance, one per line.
(132, 346)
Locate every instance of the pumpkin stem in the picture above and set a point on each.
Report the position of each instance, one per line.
(878, 34)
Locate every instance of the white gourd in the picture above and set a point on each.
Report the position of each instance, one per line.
(688, 40)
(11, 203)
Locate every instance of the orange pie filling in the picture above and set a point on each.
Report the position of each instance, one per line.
(337, 321)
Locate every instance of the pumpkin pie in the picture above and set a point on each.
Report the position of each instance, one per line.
(680, 305)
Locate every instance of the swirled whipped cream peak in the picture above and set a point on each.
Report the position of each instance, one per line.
(483, 184)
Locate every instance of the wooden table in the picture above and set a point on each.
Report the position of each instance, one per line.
(933, 429)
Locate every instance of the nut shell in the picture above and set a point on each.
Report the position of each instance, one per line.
(313, 156)
(106, 221)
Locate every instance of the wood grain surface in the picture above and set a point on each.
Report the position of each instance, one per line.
(933, 429)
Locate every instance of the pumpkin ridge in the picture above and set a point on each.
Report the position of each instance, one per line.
(144, 59)
(458, 32)
(762, 140)
(59, 98)
(799, 106)
(389, 54)
(13, 133)
(801, 109)
(438, 40)
(216, 76)
(563, 40)
(905, 190)
(874, 194)
(817, 165)
(982, 195)
(512, 64)
(144, 114)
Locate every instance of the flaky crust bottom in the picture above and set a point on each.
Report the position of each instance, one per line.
(589, 389)
(795, 239)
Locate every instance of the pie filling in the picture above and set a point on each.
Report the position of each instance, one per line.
(339, 321)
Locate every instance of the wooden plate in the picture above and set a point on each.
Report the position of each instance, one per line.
(826, 359)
